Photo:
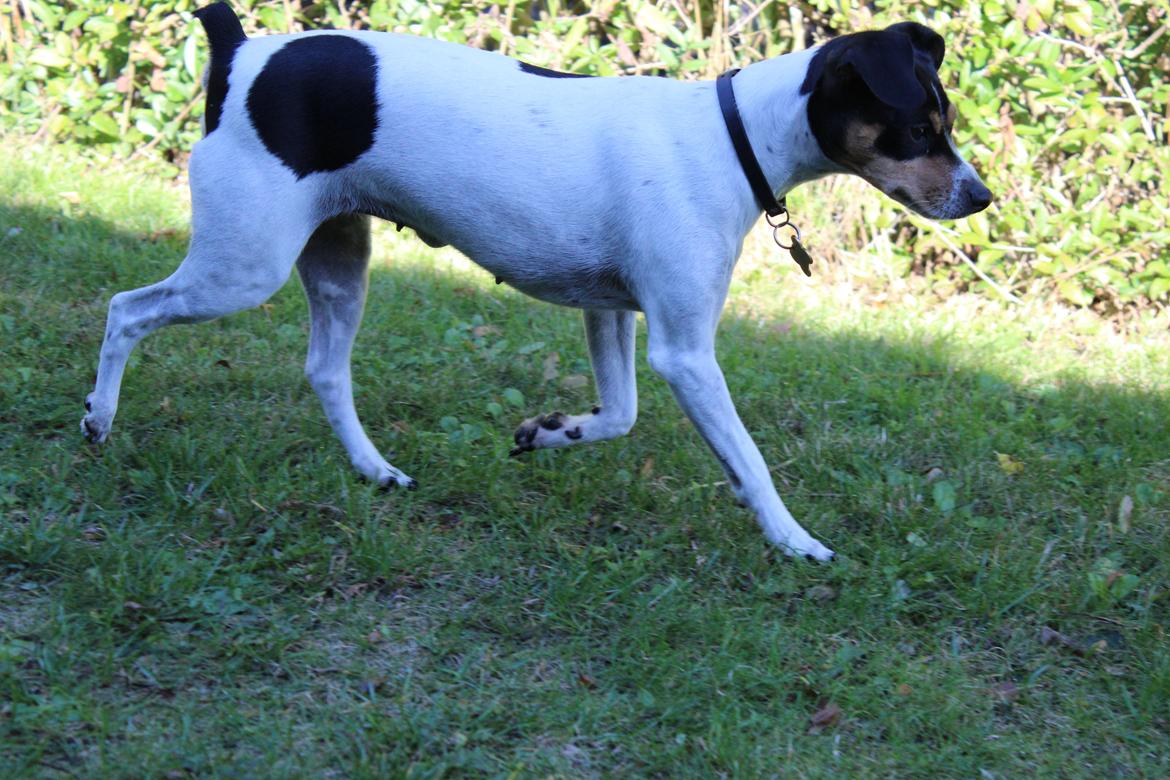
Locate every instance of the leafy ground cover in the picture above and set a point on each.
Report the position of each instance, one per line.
(213, 593)
(1062, 105)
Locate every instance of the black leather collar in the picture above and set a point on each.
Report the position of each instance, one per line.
(743, 147)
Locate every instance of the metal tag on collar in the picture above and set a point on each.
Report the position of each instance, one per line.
(794, 247)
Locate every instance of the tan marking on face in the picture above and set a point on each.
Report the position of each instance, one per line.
(859, 143)
(927, 181)
(936, 121)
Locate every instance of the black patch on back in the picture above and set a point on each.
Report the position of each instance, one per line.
(536, 70)
(315, 104)
(225, 35)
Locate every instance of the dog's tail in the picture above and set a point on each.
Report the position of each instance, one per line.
(225, 34)
(224, 30)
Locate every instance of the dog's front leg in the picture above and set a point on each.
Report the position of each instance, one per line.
(682, 351)
(610, 335)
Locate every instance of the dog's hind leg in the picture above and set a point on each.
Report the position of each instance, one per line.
(242, 249)
(334, 270)
(610, 335)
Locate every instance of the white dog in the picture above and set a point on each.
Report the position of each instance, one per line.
(612, 195)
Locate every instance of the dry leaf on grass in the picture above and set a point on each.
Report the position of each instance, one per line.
(1124, 512)
(479, 331)
(1009, 465)
(820, 593)
(1005, 691)
(826, 716)
(1095, 643)
(550, 366)
(574, 381)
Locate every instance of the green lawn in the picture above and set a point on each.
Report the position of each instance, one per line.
(213, 593)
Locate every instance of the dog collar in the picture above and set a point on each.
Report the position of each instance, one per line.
(776, 211)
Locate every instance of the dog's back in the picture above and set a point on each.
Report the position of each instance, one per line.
(506, 162)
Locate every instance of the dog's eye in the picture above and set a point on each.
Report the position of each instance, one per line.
(918, 133)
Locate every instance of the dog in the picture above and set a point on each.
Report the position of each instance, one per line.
(611, 195)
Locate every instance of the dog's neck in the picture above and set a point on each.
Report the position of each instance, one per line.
(775, 115)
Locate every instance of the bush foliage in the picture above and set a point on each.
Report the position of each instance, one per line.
(1063, 105)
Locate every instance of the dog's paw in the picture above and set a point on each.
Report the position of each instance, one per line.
(95, 427)
(820, 553)
(389, 478)
(544, 430)
(93, 430)
(375, 468)
(393, 482)
(804, 546)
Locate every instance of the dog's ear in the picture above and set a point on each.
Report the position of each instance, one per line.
(884, 61)
(924, 39)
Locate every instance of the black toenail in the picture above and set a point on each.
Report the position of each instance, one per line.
(597, 410)
(809, 557)
(575, 433)
(88, 406)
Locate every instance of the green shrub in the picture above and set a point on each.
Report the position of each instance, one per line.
(1063, 105)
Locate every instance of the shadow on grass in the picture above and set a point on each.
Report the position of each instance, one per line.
(970, 510)
(923, 408)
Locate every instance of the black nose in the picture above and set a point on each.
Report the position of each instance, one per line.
(978, 196)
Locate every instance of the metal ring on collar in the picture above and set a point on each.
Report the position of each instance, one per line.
(783, 216)
(776, 234)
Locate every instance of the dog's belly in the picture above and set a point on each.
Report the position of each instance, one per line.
(570, 271)
(599, 287)
(569, 266)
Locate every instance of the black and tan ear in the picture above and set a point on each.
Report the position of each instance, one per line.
(924, 40)
(884, 61)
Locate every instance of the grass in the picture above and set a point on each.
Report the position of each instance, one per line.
(213, 593)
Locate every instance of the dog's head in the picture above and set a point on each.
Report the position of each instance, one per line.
(877, 109)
